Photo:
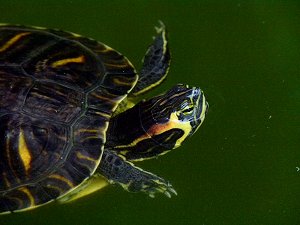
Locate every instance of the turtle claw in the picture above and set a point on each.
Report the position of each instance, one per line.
(172, 190)
(133, 179)
(160, 28)
(167, 194)
(151, 195)
(159, 186)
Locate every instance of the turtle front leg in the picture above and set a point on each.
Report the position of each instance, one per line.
(156, 63)
(132, 178)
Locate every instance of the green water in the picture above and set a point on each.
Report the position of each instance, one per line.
(242, 165)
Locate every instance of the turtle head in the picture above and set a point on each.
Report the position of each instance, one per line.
(175, 115)
(155, 126)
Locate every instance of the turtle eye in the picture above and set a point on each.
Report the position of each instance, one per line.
(187, 110)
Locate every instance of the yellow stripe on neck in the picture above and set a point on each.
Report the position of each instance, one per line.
(158, 129)
(173, 123)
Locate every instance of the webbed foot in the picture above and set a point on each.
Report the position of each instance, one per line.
(132, 178)
(156, 63)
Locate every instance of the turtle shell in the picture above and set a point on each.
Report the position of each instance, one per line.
(58, 91)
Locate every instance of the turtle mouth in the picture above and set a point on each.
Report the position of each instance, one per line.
(200, 109)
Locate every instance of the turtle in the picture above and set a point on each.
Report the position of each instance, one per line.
(73, 117)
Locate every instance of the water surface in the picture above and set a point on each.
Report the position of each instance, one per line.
(242, 167)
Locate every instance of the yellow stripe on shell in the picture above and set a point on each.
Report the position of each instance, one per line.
(88, 131)
(120, 82)
(116, 65)
(24, 152)
(103, 114)
(81, 156)
(13, 40)
(29, 195)
(62, 62)
(63, 179)
(104, 98)
(93, 133)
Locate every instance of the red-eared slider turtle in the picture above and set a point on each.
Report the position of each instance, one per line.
(62, 127)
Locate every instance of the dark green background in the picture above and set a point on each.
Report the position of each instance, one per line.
(241, 167)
